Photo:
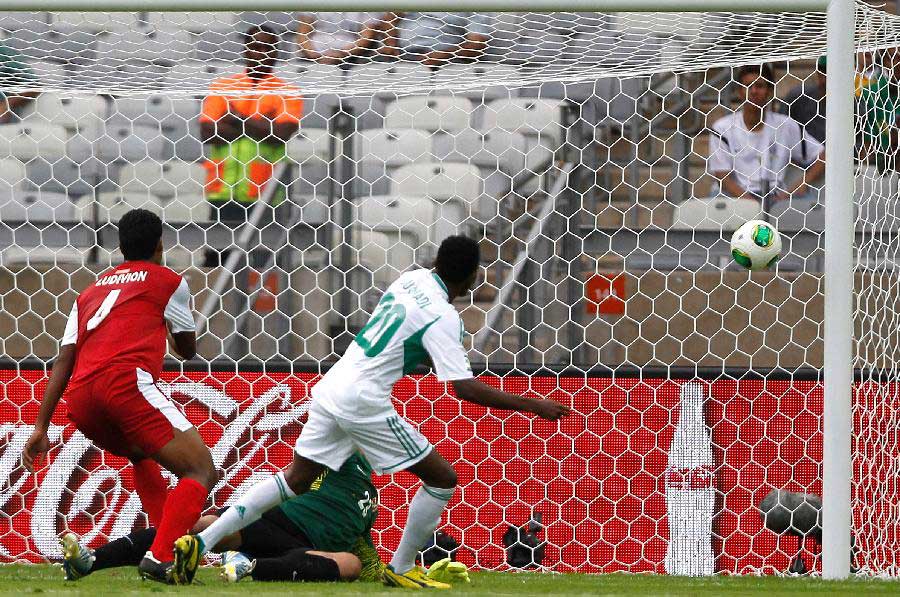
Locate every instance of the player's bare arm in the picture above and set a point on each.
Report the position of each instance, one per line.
(38, 443)
(476, 392)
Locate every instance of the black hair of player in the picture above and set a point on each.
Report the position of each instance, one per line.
(139, 234)
(763, 71)
(457, 259)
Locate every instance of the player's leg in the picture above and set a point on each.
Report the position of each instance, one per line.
(391, 444)
(151, 487)
(321, 443)
(304, 564)
(189, 459)
(79, 560)
(438, 485)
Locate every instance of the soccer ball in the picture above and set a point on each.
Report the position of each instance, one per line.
(756, 245)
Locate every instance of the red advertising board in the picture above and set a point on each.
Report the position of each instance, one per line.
(598, 477)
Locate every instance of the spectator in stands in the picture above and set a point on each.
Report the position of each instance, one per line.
(435, 38)
(805, 103)
(14, 73)
(247, 134)
(879, 113)
(336, 37)
(751, 148)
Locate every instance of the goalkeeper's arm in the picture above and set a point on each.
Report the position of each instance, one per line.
(472, 390)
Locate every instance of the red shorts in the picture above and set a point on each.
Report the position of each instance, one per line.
(122, 411)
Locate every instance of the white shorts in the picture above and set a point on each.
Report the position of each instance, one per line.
(388, 442)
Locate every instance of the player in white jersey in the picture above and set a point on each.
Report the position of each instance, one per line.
(351, 409)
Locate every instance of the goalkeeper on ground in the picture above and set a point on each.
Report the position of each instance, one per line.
(322, 535)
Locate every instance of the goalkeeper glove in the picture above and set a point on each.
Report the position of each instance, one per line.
(449, 572)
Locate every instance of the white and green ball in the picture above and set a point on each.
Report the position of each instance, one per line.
(756, 245)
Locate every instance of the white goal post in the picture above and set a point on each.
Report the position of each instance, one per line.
(839, 183)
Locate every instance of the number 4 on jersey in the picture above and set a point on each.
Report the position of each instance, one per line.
(105, 307)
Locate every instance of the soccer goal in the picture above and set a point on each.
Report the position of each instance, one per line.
(725, 420)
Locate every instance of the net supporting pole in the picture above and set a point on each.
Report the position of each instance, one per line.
(423, 5)
(839, 225)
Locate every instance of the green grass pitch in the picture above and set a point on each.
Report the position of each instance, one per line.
(48, 580)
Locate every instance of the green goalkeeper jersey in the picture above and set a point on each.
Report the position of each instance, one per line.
(340, 507)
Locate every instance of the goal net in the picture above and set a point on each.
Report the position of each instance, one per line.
(301, 162)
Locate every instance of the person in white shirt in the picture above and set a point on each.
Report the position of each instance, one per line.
(351, 409)
(333, 37)
(750, 150)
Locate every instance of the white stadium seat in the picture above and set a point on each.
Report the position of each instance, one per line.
(309, 144)
(143, 44)
(532, 117)
(37, 206)
(30, 140)
(113, 205)
(129, 144)
(438, 181)
(379, 152)
(196, 74)
(430, 113)
(163, 179)
(717, 213)
(84, 114)
(311, 75)
(412, 220)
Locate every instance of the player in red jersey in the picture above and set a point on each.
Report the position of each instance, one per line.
(109, 359)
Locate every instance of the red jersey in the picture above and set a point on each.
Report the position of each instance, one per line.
(120, 320)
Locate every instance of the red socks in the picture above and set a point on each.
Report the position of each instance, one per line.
(182, 510)
(152, 489)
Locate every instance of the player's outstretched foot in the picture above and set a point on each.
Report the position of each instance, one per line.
(188, 553)
(152, 569)
(236, 566)
(77, 559)
(414, 579)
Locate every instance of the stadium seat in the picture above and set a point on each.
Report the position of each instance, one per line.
(537, 118)
(144, 45)
(38, 206)
(440, 182)
(84, 115)
(58, 43)
(310, 150)
(15, 255)
(389, 75)
(31, 140)
(431, 113)
(309, 144)
(49, 74)
(311, 76)
(189, 21)
(384, 255)
(163, 179)
(184, 208)
(410, 220)
(455, 78)
(194, 74)
(61, 176)
(795, 215)
(12, 177)
(96, 21)
(314, 209)
(129, 144)
(717, 213)
(155, 109)
(113, 205)
(379, 152)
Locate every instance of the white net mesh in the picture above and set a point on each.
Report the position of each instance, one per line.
(596, 158)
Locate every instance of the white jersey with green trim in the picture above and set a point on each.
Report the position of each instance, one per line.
(412, 321)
